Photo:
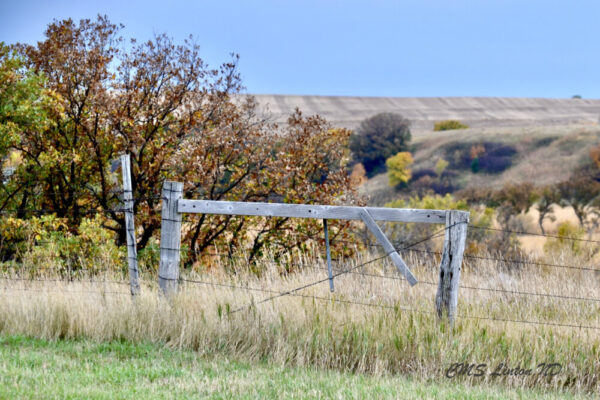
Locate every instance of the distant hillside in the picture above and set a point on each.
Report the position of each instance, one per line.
(424, 111)
(543, 155)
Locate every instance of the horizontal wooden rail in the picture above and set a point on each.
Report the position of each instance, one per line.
(310, 211)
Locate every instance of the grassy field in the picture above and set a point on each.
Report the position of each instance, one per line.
(371, 325)
(33, 368)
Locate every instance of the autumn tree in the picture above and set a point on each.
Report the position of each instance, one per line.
(378, 138)
(144, 102)
(595, 155)
(23, 105)
(398, 168)
(512, 200)
(440, 167)
(300, 164)
(548, 197)
(582, 194)
(179, 120)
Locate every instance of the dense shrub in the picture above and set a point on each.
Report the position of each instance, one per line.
(595, 155)
(500, 151)
(448, 125)
(45, 244)
(458, 154)
(378, 138)
(486, 157)
(493, 165)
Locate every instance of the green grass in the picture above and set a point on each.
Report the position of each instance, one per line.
(33, 368)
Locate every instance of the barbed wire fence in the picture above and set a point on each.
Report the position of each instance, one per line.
(69, 276)
(356, 270)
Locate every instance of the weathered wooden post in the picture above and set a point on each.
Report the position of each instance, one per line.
(446, 299)
(170, 237)
(132, 260)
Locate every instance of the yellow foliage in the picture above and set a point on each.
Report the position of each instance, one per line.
(45, 243)
(449, 124)
(440, 166)
(358, 175)
(435, 202)
(398, 171)
(595, 155)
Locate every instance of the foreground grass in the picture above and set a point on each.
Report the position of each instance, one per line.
(370, 325)
(33, 368)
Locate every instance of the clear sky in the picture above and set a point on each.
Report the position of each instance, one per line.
(515, 48)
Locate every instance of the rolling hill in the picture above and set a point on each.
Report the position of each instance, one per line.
(551, 137)
(424, 111)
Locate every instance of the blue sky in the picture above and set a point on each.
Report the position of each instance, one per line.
(515, 48)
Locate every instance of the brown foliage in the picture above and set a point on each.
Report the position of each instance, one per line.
(476, 151)
(300, 165)
(582, 193)
(548, 196)
(595, 155)
(358, 175)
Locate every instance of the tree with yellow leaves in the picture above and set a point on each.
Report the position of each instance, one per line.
(398, 171)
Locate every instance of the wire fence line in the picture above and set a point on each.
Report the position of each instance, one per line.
(370, 304)
(534, 234)
(477, 257)
(46, 290)
(498, 290)
(353, 270)
(422, 240)
(294, 292)
(68, 281)
(157, 197)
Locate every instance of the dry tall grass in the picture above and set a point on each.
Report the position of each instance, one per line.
(400, 333)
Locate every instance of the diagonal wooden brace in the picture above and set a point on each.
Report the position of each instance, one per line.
(387, 246)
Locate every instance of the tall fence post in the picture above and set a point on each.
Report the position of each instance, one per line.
(446, 299)
(132, 260)
(170, 237)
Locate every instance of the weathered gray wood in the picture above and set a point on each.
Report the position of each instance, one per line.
(134, 282)
(446, 300)
(170, 237)
(387, 246)
(328, 250)
(309, 211)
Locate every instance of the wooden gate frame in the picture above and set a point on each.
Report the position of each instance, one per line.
(173, 206)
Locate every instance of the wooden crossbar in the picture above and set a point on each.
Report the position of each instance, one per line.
(309, 211)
